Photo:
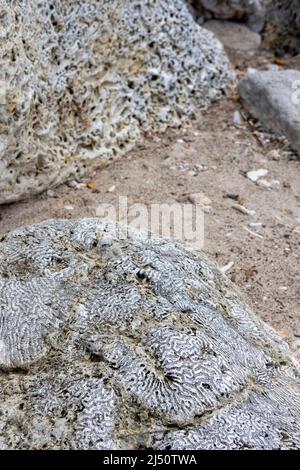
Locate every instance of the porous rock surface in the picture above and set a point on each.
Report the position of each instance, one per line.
(80, 80)
(274, 99)
(111, 341)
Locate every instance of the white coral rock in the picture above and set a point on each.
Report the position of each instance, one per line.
(115, 342)
(81, 79)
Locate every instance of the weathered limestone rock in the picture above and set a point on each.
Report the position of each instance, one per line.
(251, 11)
(80, 80)
(274, 99)
(108, 342)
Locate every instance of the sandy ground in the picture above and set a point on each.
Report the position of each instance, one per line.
(211, 156)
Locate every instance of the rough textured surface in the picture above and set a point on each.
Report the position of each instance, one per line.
(252, 11)
(283, 24)
(274, 99)
(79, 80)
(121, 343)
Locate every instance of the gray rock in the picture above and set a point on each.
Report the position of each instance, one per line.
(81, 79)
(109, 340)
(235, 36)
(279, 20)
(251, 11)
(283, 24)
(274, 99)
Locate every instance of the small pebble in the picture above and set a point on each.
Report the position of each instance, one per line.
(200, 167)
(255, 224)
(272, 184)
(199, 199)
(72, 184)
(251, 70)
(68, 207)
(92, 185)
(227, 267)
(237, 118)
(254, 175)
(243, 209)
(254, 234)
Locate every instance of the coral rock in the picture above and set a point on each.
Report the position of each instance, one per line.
(110, 340)
(80, 80)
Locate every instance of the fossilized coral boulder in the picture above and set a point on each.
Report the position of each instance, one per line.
(110, 342)
(80, 79)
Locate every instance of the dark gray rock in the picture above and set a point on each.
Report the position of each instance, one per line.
(274, 99)
(283, 24)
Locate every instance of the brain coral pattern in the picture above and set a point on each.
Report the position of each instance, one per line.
(80, 80)
(110, 340)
